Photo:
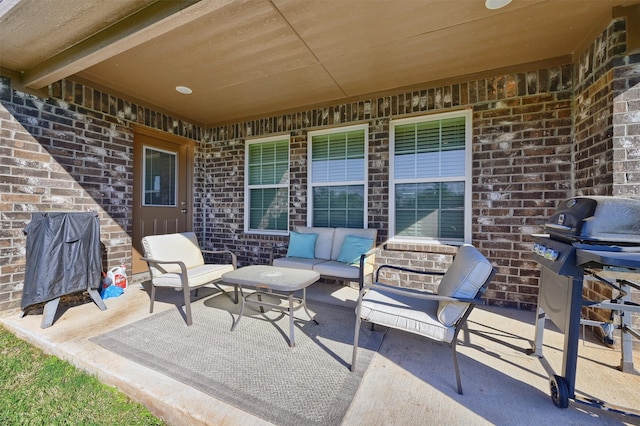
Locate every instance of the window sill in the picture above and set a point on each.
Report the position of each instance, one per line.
(422, 246)
(267, 233)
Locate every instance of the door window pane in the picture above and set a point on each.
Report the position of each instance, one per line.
(160, 173)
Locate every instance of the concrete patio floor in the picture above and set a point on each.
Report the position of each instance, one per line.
(409, 382)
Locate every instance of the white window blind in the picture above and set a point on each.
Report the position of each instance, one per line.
(430, 182)
(267, 185)
(337, 177)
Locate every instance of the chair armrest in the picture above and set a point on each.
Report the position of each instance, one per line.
(418, 294)
(363, 261)
(414, 271)
(234, 258)
(274, 249)
(183, 268)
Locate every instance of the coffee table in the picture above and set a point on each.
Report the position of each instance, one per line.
(266, 279)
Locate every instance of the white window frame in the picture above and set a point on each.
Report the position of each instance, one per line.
(311, 185)
(467, 114)
(248, 187)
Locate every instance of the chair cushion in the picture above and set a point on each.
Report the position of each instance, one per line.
(353, 247)
(332, 268)
(302, 245)
(198, 276)
(324, 243)
(415, 315)
(297, 262)
(469, 271)
(341, 233)
(183, 246)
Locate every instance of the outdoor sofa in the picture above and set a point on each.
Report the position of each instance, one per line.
(345, 254)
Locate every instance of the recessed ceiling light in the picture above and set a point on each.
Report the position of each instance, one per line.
(184, 90)
(496, 4)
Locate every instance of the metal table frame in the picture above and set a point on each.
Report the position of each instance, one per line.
(267, 279)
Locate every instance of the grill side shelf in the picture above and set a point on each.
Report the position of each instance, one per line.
(597, 258)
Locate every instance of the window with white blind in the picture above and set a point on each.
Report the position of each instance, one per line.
(430, 178)
(337, 177)
(267, 185)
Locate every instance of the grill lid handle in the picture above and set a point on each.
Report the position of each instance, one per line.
(559, 227)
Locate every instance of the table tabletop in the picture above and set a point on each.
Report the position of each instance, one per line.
(273, 277)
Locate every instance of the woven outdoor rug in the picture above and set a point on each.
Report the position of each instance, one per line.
(253, 367)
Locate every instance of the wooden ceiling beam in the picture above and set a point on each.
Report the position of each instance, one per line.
(144, 25)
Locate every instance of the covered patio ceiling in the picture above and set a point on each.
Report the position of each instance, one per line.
(254, 58)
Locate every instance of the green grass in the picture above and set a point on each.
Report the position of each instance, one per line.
(39, 389)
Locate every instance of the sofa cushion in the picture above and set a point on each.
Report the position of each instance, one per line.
(353, 247)
(297, 262)
(333, 268)
(341, 233)
(302, 245)
(468, 272)
(183, 246)
(324, 243)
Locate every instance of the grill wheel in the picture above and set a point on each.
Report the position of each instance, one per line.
(559, 391)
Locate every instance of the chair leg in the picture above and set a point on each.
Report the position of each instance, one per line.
(356, 337)
(455, 365)
(153, 297)
(465, 333)
(187, 304)
(356, 333)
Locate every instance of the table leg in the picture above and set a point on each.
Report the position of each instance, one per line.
(304, 305)
(265, 289)
(235, 323)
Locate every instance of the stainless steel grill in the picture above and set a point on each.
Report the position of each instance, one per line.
(596, 236)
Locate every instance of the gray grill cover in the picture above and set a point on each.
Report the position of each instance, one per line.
(63, 256)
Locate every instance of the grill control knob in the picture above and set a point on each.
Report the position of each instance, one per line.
(551, 254)
(539, 249)
(547, 253)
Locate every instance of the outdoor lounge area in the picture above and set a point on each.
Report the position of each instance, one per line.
(209, 138)
(503, 385)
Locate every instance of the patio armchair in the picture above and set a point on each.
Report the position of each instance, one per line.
(176, 261)
(438, 316)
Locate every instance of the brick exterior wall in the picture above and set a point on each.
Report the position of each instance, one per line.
(73, 151)
(521, 170)
(626, 139)
(604, 133)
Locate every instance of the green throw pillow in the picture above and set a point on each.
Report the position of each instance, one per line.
(302, 245)
(353, 247)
